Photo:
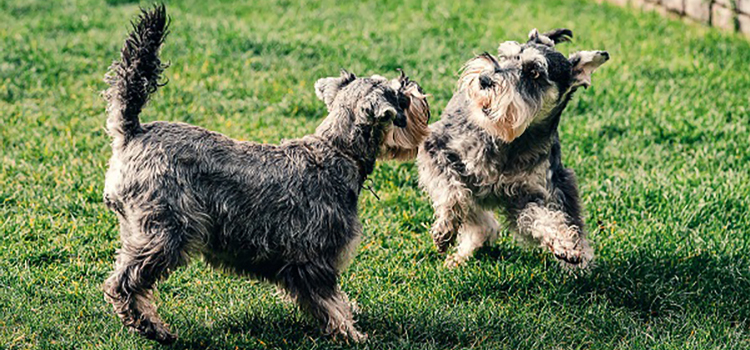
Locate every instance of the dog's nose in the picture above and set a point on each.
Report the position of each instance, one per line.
(605, 54)
(400, 120)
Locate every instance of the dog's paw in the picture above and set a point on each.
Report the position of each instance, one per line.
(442, 247)
(284, 296)
(357, 337)
(454, 260)
(156, 331)
(576, 256)
(350, 335)
(443, 237)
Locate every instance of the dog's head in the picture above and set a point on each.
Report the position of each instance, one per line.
(397, 107)
(525, 82)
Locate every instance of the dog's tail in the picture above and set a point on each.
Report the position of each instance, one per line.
(136, 75)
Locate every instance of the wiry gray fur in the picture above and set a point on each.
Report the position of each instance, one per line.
(283, 213)
(497, 146)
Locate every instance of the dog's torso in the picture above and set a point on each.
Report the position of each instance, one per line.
(227, 196)
(490, 168)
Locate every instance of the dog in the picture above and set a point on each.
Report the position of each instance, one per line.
(497, 146)
(286, 214)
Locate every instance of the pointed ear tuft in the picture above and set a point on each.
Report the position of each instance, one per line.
(533, 34)
(560, 35)
(347, 75)
(535, 37)
(552, 37)
(584, 64)
(327, 88)
(402, 76)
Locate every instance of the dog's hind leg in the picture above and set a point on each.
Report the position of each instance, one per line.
(315, 288)
(144, 259)
(479, 228)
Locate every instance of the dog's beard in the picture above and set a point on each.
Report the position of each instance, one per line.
(403, 143)
(502, 111)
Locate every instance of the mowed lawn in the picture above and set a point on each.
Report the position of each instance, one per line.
(660, 144)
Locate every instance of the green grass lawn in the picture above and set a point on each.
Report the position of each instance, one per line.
(660, 144)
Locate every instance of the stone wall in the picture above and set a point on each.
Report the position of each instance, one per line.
(733, 15)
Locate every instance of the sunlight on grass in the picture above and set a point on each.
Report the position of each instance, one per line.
(660, 145)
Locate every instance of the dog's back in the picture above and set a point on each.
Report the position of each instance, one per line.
(229, 194)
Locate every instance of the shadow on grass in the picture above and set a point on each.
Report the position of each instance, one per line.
(660, 285)
(286, 330)
(651, 285)
(648, 285)
(419, 329)
(120, 2)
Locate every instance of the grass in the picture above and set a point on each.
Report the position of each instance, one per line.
(660, 144)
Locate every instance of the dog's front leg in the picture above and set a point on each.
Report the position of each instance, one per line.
(479, 228)
(544, 208)
(550, 227)
(445, 227)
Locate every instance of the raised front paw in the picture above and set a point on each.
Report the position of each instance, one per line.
(575, 255)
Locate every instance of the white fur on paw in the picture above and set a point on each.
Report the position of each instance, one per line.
(576, 256)
(454, 260)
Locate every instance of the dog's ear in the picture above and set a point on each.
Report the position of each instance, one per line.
(559, 35)
(550, 38)
(509, 49)
(403, 143)
(414, 103)
(327, 88)
(584, 64)
(535, 37)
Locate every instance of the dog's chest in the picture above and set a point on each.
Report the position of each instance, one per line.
(494, 170)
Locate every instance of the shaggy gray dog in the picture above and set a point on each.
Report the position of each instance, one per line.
(497, 146)
(284, 213)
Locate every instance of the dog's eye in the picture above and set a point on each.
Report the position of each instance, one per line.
(485, 82)
(533, 70)
(389, 114)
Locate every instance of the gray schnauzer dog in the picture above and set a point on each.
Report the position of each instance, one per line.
(497, 145)
(284, 213)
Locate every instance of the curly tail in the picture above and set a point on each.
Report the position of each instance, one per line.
(136, 75)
